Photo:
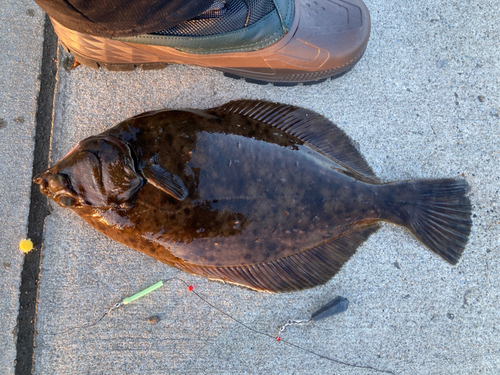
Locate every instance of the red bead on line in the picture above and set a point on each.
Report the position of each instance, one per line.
(190, 288)
(278, 338)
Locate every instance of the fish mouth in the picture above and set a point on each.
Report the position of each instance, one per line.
(58, 188)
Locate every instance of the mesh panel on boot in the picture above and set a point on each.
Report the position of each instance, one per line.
(222, 17)
(259, 9)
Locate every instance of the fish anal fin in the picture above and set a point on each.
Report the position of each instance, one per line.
(309, 127)
(165, 181)
(299, 271)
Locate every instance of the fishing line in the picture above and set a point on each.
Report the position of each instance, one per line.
(333, 307)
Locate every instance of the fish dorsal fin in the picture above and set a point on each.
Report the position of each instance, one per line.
(299, 271)
(165, 181)
(309, 127)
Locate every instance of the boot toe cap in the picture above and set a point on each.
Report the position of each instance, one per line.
(329, 34)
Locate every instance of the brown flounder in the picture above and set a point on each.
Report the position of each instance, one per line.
(269, 196)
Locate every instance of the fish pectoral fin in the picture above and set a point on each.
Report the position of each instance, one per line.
(303, 270)
(166, 181)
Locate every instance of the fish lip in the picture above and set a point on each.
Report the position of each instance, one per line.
(39, 177)
(42, 180)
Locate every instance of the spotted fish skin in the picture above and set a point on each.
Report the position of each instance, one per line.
(269, 196)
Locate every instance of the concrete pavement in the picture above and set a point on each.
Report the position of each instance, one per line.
(422, 103)
(21, 39)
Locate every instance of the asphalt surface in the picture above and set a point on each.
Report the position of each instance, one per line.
(422, 103)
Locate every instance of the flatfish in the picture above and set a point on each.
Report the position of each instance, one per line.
(269, 196)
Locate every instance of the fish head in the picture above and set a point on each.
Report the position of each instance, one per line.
(99, 172)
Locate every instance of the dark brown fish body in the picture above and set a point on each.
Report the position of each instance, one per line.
(268, 196)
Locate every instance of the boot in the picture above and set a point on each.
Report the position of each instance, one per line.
(283, 42)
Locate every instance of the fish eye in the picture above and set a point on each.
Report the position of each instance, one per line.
(57, 182)
(66, 201)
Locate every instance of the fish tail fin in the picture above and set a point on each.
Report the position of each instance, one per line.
(439, 216)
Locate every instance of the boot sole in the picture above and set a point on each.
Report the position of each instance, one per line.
(128, 67)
